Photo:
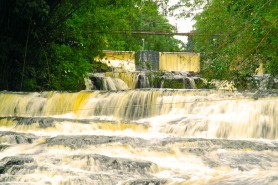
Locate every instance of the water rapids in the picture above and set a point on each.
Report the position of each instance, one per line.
(139, 137)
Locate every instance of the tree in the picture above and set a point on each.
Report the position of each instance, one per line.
(18, 22)
(134, 15)
(51, 45)
(29, 30)
(234, 36)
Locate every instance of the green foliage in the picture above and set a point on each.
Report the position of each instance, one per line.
(18, 22)
(68, 69)
(241, 35)
(233, 36)
(50, 45)
(28, 59)
(133, 15)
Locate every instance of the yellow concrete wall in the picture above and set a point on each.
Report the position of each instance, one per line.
(179, 61)
(119, 60)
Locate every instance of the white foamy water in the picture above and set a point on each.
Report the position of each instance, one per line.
(138, 137)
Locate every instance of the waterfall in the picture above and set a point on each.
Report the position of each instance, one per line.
(153, 79)
(192, 83)
(195, 113)
(142, 81)
(143, 136)
(100, 82)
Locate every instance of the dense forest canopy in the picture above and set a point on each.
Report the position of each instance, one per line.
(234, 37)
(50, 45)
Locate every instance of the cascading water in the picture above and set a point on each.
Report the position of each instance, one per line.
(101, 82)
(139, 137)
(143, 79)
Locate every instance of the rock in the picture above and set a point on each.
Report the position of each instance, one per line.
(16, 138)
(13, 162)
(87, 140)
(146, 182)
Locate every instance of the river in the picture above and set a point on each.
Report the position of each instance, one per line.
(139, 137)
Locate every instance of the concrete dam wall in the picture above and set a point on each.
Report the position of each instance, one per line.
(152, 60)
(179, 61)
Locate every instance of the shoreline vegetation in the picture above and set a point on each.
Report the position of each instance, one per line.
(48, 45)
